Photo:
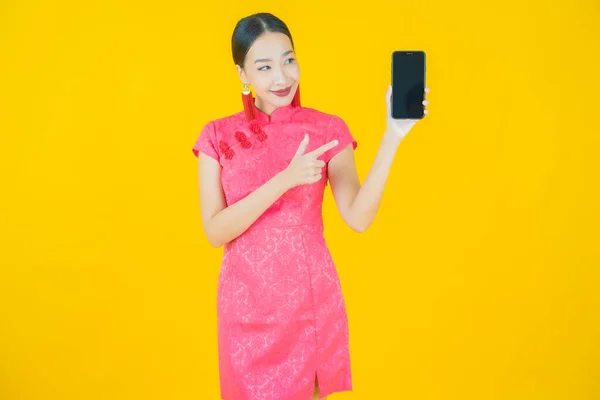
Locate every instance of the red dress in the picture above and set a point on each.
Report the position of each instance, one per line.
(281, 314)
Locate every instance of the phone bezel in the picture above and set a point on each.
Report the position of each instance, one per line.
(405, 53)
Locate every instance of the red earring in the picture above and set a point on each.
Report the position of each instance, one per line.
(248, 102)
(296, 99)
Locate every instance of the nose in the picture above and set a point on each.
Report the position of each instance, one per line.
(279, 76)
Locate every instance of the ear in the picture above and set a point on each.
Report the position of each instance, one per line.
(241, 74)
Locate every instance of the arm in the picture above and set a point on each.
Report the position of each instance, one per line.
(221, 223)
(358, 204)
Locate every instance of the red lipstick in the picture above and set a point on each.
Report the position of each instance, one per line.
(283, 92)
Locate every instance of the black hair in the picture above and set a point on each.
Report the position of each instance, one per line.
(249, 28)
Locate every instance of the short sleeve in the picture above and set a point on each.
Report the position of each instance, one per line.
(207, 142)
(338, 130)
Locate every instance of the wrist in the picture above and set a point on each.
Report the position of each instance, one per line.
(281, 182)
(391, 138)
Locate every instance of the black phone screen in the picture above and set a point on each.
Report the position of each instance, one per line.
(408, 84)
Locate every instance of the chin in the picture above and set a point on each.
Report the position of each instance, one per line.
(282, 101)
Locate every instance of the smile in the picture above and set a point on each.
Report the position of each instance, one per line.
(283, 92)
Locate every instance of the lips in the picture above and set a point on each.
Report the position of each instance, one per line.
(283, 92)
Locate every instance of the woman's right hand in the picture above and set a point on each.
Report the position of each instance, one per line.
(305, 168)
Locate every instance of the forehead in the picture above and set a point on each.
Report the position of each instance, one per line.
(269, 45)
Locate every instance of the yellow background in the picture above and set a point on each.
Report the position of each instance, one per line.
(479, 279)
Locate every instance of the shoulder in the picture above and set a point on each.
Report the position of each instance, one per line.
(221, 129)
(214, 137)
(333, 127)
(323, 119)
(329, 121)
(316, 113)
(224, 123)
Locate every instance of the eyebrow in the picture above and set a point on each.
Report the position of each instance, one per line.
(268, 59)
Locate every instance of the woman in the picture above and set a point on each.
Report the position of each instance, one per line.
(282, 323)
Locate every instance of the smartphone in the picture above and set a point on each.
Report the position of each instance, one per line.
(408, 84)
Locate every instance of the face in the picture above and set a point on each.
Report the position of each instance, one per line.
(270, 66)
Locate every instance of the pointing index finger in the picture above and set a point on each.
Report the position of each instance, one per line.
(320, 150)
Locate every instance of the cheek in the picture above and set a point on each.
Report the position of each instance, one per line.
(294, 72)
(261, 82)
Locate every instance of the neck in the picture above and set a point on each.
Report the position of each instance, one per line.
(266, 108)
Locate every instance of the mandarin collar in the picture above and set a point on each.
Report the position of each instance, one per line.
(279, 114)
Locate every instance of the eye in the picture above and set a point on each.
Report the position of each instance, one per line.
(266, 66)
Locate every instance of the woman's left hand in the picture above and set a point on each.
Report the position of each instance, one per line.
(399, 128)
